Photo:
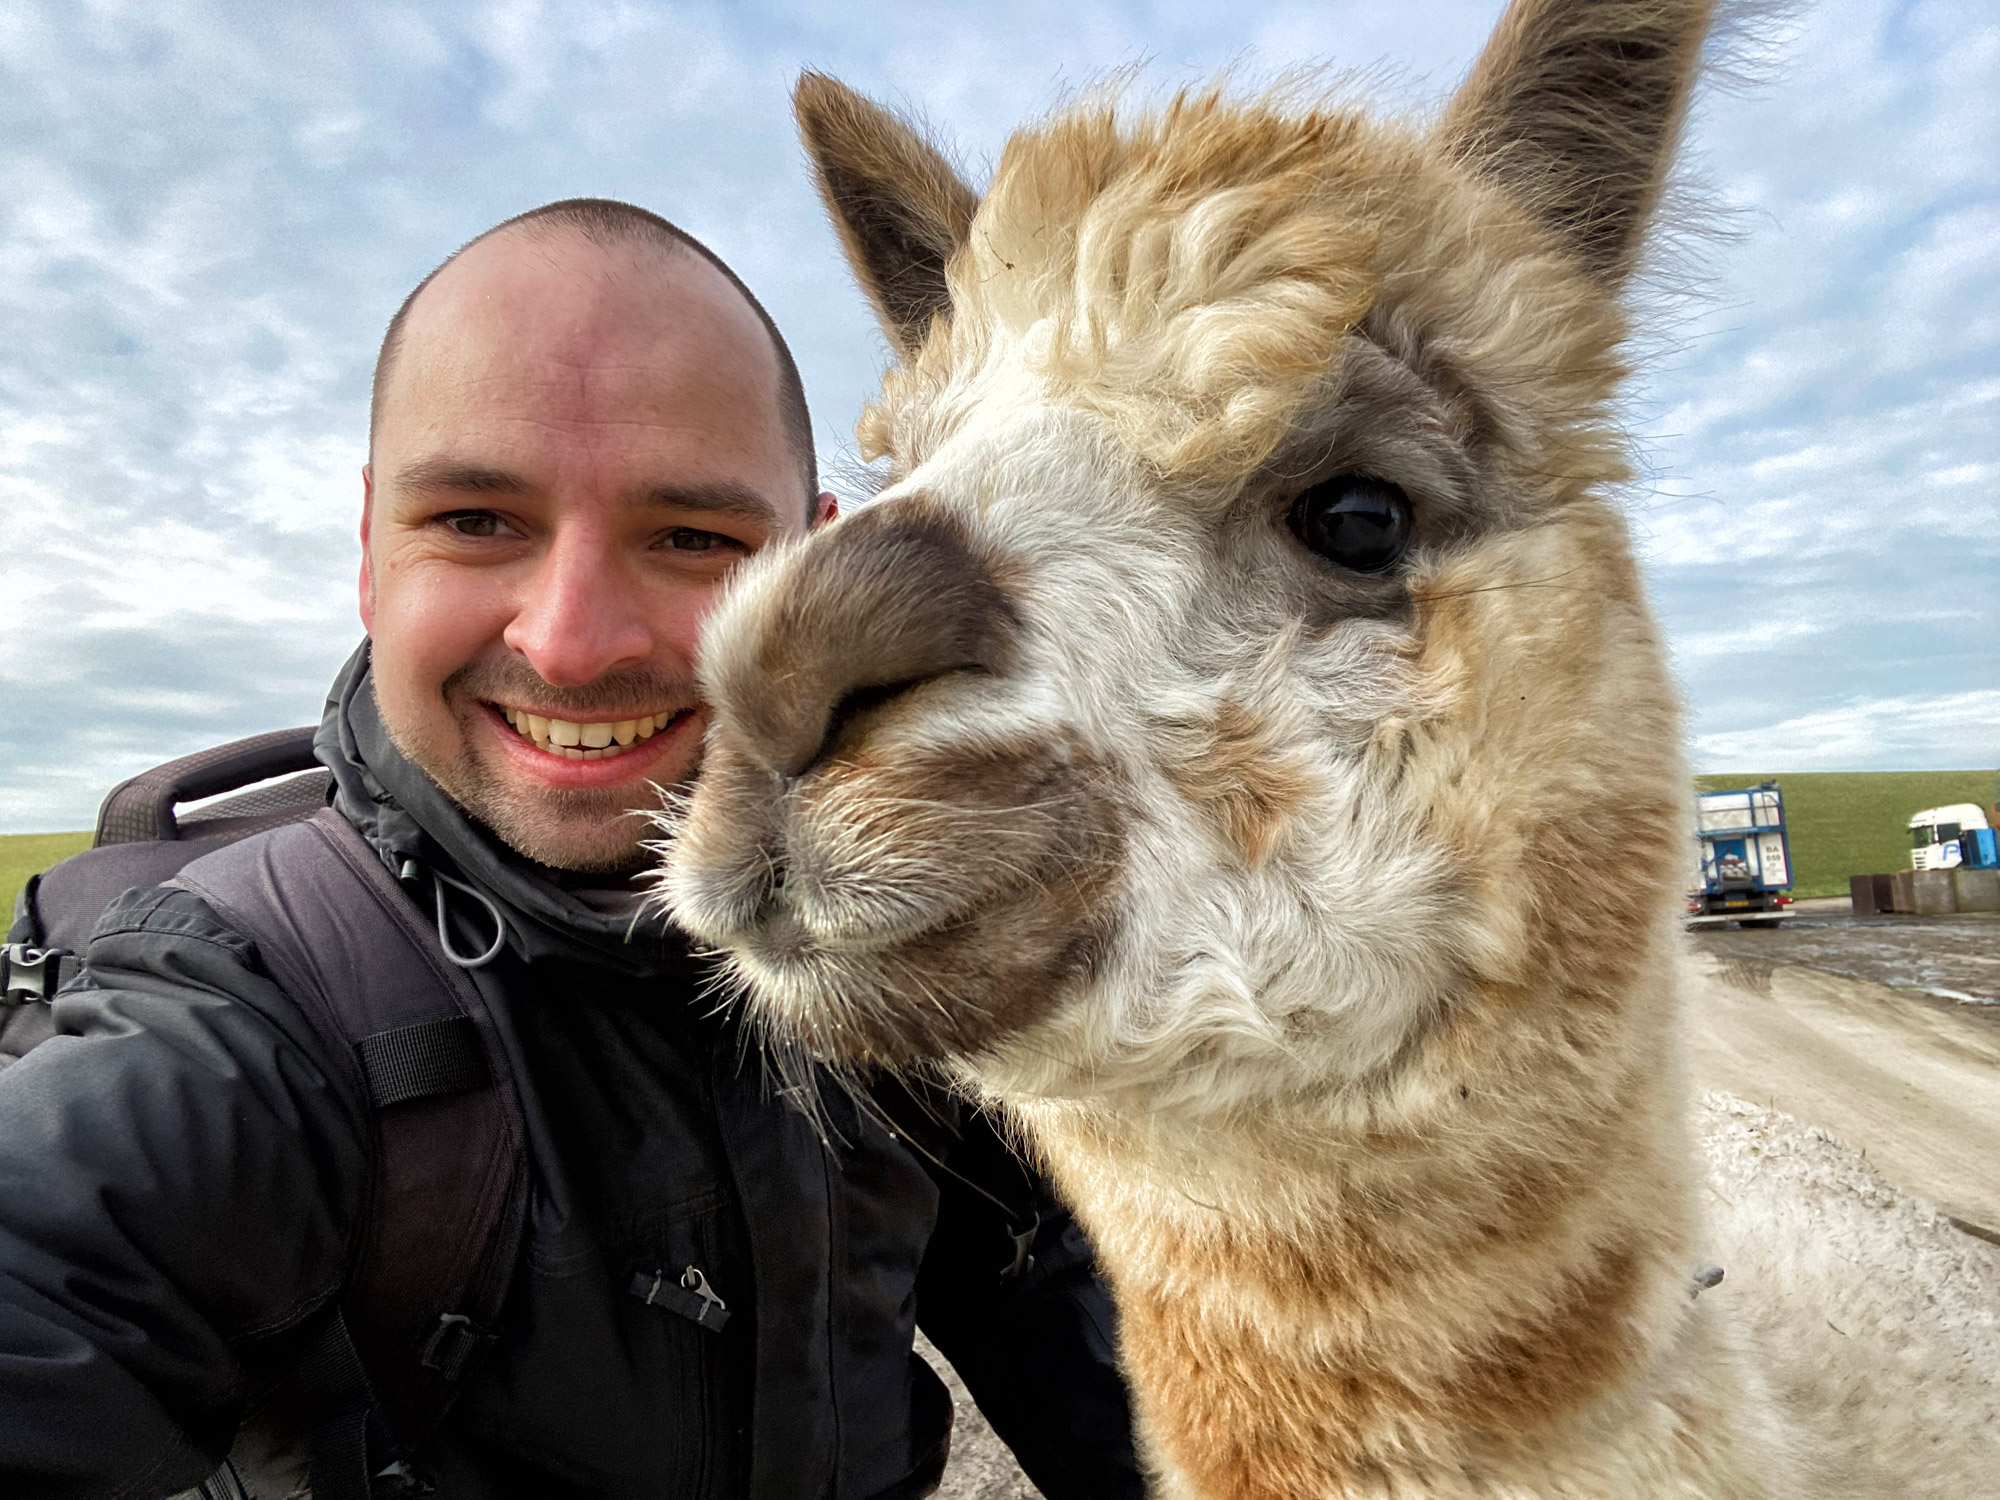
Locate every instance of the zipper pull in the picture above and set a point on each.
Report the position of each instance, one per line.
(714, 1311)
(694, 1299)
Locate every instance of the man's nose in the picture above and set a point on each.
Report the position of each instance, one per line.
(583, 614)
(894, 596)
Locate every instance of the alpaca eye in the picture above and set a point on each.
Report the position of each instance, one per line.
(1361, 523)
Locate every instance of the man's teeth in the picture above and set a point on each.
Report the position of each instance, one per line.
(585, 741)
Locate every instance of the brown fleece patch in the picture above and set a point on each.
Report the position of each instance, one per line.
(998, 862)
(964, 989)
(1273, 1417)
(890, 597)
(1553, 1363)
(1579, 710)
(1240, 779)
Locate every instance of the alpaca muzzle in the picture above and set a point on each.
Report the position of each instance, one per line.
(891, 875)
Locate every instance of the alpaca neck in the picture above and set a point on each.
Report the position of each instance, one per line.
(1315, 1302)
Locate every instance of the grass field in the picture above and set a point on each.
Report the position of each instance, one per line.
(1852, 823)
(25, 854)
(1841, 823)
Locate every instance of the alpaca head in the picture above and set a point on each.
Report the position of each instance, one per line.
(1244, 670)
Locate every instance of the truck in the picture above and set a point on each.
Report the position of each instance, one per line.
(1935, 835)
(1745, 858)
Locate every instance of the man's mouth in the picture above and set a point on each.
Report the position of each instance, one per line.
(577, 741)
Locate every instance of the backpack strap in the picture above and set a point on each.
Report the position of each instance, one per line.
(31, 973)
(448, 1195)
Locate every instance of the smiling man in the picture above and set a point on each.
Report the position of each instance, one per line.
(582, 423)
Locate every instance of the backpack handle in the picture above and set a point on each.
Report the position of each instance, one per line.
(141, 809)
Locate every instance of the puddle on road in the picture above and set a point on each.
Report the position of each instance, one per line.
(1953, 958)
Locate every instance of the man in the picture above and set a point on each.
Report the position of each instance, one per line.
(581, 424)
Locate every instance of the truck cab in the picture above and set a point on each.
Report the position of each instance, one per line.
(1935, 833)
(1745, 858)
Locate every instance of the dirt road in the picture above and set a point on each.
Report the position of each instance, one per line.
(981, 1468)
(1911, 1079)
(1948, 958)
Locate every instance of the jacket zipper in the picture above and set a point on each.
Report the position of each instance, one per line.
(691, 1297)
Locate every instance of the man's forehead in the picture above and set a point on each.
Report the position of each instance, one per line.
(554, 291)
(539, 351)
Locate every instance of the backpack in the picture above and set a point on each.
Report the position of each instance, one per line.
(346, 942)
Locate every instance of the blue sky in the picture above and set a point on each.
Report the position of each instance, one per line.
(208, 211)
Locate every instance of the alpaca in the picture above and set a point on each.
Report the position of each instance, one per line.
(1236, 742)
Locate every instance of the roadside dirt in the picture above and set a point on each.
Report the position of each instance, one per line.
(1909, 1079)
(1944, 958)
(1884, 1032)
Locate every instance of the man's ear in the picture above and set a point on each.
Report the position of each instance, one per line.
(897, 204)
(367, 576)
(826, 508)
(1575, 107)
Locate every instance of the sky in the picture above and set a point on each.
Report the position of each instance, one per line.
(208, 212)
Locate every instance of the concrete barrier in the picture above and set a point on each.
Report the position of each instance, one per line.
(1902, 891)
(1976, 890)
(1871, 895)
(1931, 893)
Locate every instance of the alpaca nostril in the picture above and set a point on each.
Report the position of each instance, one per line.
(860, 701)
(877, 605)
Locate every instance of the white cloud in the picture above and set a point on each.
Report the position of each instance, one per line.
(1829, 531)
(1919, 731)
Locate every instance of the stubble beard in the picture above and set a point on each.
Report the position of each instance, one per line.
(596, 831)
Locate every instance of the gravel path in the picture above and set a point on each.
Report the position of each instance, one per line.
(1911, 1081)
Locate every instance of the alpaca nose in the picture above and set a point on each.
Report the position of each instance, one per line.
(892, 596)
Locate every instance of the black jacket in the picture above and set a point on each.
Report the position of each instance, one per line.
(179, 1182)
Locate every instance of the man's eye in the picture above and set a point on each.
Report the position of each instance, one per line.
(481, 523)
(687, 539)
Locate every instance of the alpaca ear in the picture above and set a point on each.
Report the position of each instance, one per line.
(1575, 107)
(899, 207)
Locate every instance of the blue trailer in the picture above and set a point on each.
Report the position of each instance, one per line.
(1746, 859)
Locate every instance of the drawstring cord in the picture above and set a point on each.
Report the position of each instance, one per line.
(414, 870)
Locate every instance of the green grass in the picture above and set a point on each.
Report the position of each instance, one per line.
(25, 854)
(1844, 823)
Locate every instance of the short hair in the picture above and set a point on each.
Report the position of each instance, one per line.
(606, 222)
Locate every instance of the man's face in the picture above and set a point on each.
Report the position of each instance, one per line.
(575, 447)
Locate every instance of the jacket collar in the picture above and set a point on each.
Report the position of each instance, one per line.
(405, 815)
